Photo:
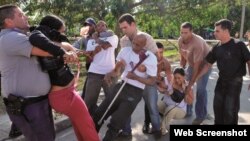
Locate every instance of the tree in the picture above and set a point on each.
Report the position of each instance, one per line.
(161, 18)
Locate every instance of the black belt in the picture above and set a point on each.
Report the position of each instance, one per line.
(35, 99)
(28, 101)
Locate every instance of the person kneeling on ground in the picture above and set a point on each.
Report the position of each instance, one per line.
(174, 102)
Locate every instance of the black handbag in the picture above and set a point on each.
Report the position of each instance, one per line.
(62, 76)
(177, 96)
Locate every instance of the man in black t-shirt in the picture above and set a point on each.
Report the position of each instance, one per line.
(231, 56)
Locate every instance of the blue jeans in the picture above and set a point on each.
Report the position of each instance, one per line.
(150, 97)
(201, 95)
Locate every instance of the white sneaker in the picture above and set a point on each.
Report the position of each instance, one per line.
(164, 131)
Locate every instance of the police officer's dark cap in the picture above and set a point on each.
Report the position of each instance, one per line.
(89, 21)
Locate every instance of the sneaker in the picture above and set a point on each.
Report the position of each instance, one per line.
(197, 121)
(164, 131)
(209, 117)
(14, 131)
(125, 135)
(110, 135)
(146, 129)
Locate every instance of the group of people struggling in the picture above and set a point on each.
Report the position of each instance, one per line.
(35, 76)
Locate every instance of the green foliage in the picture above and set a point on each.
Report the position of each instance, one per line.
(160, 18)
(3, 2)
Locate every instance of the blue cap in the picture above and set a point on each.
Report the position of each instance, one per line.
(90, 21)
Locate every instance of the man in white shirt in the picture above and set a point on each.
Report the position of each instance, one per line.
(103, 62)
(129, 28)
(132, 92)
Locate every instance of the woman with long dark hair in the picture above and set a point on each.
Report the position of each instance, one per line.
(174, 102)
(63, 96)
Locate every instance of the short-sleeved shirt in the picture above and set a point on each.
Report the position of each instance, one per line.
(150, 44)
(21, 72)
(231, 58)
(193, 51)
(130, 57)
(104, 61)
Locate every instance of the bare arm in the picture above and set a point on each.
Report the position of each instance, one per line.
(168, 71)
(65, 45)
(194, 73)
(204, 70)
(103, 44)
(115, 72)
(189, 97)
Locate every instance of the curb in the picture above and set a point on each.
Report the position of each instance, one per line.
(60, 124)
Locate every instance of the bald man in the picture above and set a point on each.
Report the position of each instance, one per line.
(131, 94)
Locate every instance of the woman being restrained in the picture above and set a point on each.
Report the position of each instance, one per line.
(63, 96)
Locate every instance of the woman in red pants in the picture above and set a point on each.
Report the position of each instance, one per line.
(63, 96)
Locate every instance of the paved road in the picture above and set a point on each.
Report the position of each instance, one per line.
(137, 123)
(138, 115)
